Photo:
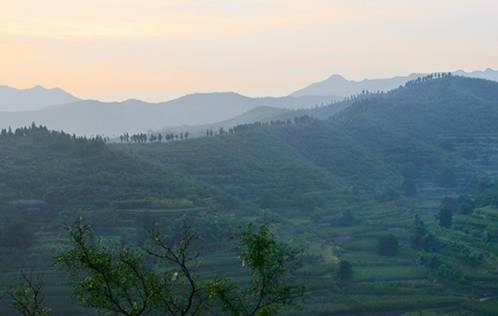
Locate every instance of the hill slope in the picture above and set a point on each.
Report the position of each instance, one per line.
(371, 145)
(259, 114)
(63, 171)
(333, 187)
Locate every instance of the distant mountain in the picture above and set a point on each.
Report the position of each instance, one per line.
(340, 86)
(488, 74)
(94, 117)
(36, 98)
(259, 114)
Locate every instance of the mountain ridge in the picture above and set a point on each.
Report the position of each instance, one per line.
(340, 86)
(30, 99)
(89, 117)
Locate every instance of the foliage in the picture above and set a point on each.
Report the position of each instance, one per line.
(112, 280)
(61, 170)
(445, 215)
(27, 297)
(269, 263)
(388, 245)
(441, 269)
(344, 271)
(421, 238)
(119, 280)
(380, 143)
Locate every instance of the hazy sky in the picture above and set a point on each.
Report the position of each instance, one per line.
(158, 49)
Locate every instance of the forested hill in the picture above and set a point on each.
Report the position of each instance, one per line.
(38, 166)
(380, 188)
(450, 105)
(415, 133)
(412, 134)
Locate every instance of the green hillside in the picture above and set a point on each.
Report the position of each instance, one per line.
(344, 188)
(374, 145)
(61, 170)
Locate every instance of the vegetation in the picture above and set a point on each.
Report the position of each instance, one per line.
(388, 245)
(391, 199)
(121, 281)
(27, 298)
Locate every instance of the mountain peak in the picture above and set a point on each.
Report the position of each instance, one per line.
(35, 98)
(336, 77)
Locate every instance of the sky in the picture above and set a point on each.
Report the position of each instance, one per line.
(159, 49)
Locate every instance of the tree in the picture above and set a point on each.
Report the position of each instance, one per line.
(111, 280)
(344, 271)
(186, 294)
(118, 280)
(388, 245)
(269, 263)
(445, 215)
(420, 237)
(419, 231)
(27, 297)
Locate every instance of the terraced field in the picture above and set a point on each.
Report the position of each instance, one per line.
(336, 188)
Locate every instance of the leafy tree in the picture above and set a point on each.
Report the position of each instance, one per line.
(269, 263)
(344, 271)
(111, 280)
(420, 237)
(388, 245)
(124, 281)
(418, 234)
(27, 297)
(445, 215)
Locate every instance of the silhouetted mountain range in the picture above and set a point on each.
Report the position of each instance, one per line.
(340, 86)
(12, 99)
(95, 117)
(62, 111)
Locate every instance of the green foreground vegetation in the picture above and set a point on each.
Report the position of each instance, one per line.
(392, 201)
